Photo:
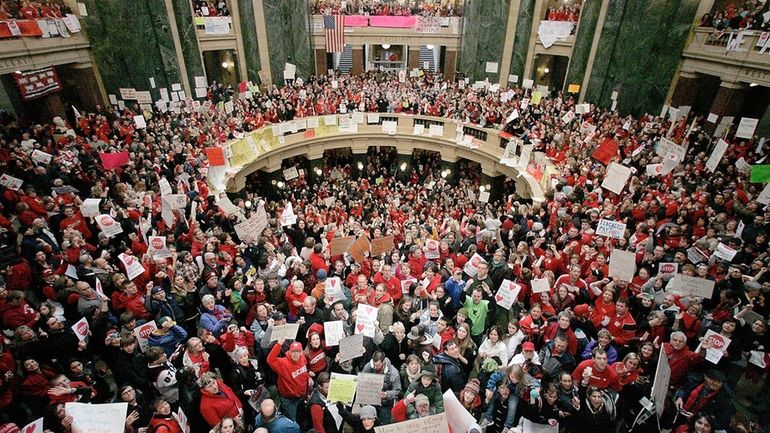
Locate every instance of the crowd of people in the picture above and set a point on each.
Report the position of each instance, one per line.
(442, 8)
(564, 12)
(578, 355)
(32, 10)
(214, 8)
(747, 15)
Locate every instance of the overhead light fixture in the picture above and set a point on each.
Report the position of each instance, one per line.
(224, 64)
(360, 165)
(429, 46)
(247, 204)
(482, 188)
(546, 70)
(318, 171)
(489, 187)
(386, 46)
(753, 85)
(445, 173)
(403, 166)
(274, 182)
(280, 184)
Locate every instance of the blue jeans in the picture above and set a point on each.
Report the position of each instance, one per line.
(289, 407)
(513, 401)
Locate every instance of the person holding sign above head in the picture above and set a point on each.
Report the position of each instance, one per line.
(364, 422)
(293, 378)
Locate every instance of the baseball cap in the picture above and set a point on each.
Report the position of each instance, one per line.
(528, 345)
(420, 399)
(295, 347)
(156, 289)
(456, 270)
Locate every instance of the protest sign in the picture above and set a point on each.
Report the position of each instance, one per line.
(342, 388)
(108, 225)
(11, 182)
(33, 427)
(90, 207)
(724, 252)
(382, 245)
(97, 418)
(143, 332)
(157, 248)
(248, 231)
(459, 419)
(691, 286)
(428, 424)
(746, 127)
(133, 267)
(666, 146)
(333, 291)
(471, 266)
(334, 331)
(660, 382)
(290, 173)
(81, 328)
(507, 294)
(181, 418)
(288, 217)
(528, 426)
(612, 229)
(606, 151)
(760, 173)
(369, 388)
(540, 285)
(41, 157)
(341, 245)
(352, 347)
(668, 269)
(616, 178)
(286, 332)
(365, 319)
(431, 249)
(718, 343)
(622, 264)
(359, 247)
(716, 155)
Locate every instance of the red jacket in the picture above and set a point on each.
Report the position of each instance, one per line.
(292, 376)
(214, 407)
(622, 328)
(680, 362)
(21, 315)
(602, 379)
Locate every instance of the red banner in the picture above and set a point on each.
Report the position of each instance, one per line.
(606, 151)
(356, 21)
(112, 160)
(36, 83)
(392, 21)
(19, 28)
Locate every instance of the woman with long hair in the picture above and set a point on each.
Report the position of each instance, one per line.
(467, 346)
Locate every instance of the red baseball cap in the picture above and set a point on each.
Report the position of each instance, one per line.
(528, 346)
(295, 347)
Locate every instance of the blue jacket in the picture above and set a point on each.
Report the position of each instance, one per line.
(168, 341)
(216, 320)
(280, 424)
(456, 290)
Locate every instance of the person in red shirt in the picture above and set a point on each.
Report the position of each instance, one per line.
(218, 400)
(293, 377)
(294, 298)
(129, 299)
(681, 359)
(18, 312)
(318, 259)
(74, 220)
(392, 284)
(596, 371)
(622, 326)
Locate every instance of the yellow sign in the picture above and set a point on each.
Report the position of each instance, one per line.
(536, 97)
(342, 387)
(573, 88)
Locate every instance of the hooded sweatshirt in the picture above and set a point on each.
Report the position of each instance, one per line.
(292, 376)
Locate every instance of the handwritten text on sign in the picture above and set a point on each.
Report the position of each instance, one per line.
(429, 424)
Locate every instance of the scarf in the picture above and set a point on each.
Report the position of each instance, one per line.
(697, 400)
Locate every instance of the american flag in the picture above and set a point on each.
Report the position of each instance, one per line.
(334, 27)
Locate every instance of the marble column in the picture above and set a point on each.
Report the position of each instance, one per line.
(288, 34)
(484, 24)
(413, 58)
(686, 89)
(248, 35)
(586, 33)
(729, 99)
(358, 61)
(450, 64)
(320, 61)
(88, 87)
(521, 40)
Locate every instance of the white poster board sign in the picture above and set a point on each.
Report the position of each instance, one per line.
(612, 229)
(622, 264)
(97, 418)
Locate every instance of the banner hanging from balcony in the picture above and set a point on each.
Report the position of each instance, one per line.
(38, 82)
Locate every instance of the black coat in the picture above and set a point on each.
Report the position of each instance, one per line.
(452, 373)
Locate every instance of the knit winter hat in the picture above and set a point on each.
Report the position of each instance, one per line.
(473, 386)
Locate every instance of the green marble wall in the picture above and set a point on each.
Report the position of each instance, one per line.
(249, 36)
(583, 40)
(483, 37)
(288, 36)
(187, 40)
(521, 41)
(640, 46)
(131, 42)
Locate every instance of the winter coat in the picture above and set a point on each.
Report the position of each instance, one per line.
(214, 407)
(452, 373)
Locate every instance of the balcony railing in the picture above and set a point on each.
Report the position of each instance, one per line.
(735, 47)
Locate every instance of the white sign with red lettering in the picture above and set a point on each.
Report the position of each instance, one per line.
(507, 294)
(157, 247)
(719, 344)
(143, 332)
(108, 225)
(11, 182)
(668, 269)
(431, 249)
(81, 329)
(365, 319)
(34, 427)
(133, 267)
(472, 266)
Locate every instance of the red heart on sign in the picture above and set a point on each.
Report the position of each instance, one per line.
(499, 298)
(334, 283)
(30, 428)
(360, 327)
